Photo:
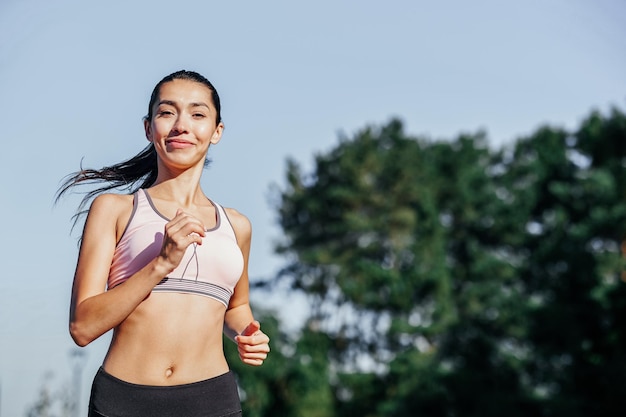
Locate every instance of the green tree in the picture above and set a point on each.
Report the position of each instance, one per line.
(402, 244)
(573, 189)
(451, 279)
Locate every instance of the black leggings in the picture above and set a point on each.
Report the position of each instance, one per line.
(215, 397)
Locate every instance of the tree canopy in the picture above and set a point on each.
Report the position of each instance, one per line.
(448, 278)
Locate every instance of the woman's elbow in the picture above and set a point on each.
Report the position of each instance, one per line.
(78, 334)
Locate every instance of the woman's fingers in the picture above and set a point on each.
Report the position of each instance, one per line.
(180, 232)
(253, 346)
(185, 224)
(252, 358)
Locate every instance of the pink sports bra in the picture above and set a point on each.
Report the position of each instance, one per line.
(211, 269)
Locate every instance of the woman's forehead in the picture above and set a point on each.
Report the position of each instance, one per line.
(183, 90)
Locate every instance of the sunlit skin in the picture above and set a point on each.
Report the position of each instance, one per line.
(165, 338)
(182, 128)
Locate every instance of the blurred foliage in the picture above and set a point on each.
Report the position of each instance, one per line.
(446, 278)
(51, 402)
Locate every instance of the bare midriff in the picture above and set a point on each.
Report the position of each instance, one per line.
(170, 339)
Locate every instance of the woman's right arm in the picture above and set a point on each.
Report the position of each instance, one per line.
(93, 310)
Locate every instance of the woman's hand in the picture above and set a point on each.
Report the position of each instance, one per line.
(253, 344)
(180, 232)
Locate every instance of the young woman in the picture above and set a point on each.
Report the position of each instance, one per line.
(165, 267)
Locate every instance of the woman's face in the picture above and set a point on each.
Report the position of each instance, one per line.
(183, 124)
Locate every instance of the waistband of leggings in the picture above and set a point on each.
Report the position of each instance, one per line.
(216, 379)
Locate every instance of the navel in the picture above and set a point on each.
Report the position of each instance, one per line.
(169, 372)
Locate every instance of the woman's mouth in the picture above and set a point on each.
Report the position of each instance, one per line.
(177, 144)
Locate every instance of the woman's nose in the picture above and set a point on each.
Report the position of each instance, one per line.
(181, 125)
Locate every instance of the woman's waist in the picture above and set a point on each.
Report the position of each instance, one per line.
(161, 366)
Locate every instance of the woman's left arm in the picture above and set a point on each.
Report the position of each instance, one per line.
(239, 323)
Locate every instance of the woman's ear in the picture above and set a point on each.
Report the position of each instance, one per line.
(217, 135)
(147, 129)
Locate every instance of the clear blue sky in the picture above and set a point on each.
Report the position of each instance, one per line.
(75, 78)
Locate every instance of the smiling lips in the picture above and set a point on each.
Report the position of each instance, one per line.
(178, 143)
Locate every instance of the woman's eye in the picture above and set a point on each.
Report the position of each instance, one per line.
(198, 115)
(165, 113)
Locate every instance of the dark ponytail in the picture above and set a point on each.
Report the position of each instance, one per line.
(140, 171)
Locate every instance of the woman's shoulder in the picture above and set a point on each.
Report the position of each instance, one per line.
(112, 201)
(241, 223)
(112, 211)
(112, 206)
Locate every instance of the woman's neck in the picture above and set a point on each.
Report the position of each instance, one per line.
(183, 188)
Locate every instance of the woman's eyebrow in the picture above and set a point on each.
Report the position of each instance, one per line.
(167, 102)
(173, 103)
(199, 104)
